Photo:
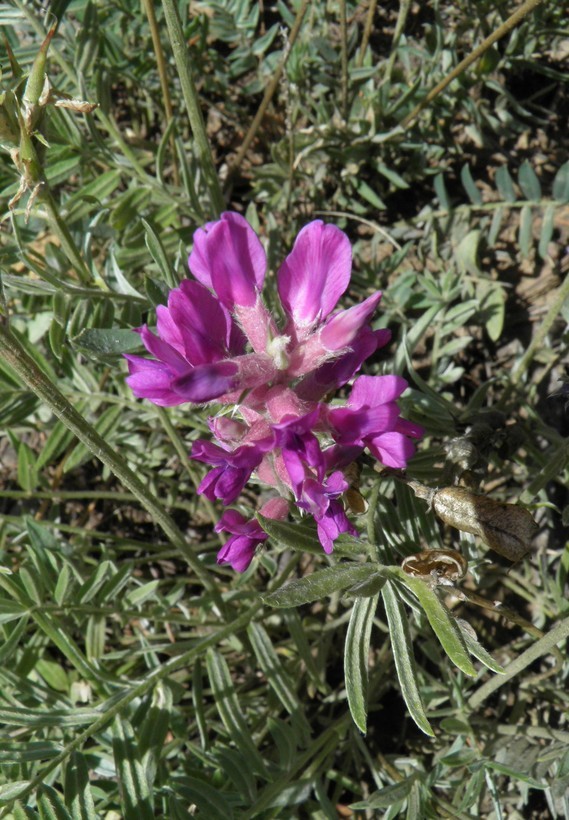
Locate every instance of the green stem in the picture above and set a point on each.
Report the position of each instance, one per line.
(56, 496)
(114, 131)
(182, 451)
(268, 95)
(184, 67)
(344, 59)
(402, 15)
(161, 66)
(500, 32)
(12, 352)
(40, 30)
(367, 33)
(60, 229)
(542, 647)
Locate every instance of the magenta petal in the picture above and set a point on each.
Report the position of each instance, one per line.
(392, 449)
(340, 370)
(198, 260)
(350, 426)
(203, 324)
(151, 380)
(409, 428)
(369, 391)
(208, 483)
(295, 469)
(168, 330)
(246, 536)
(163, 351)
(344, 327)
(238, 552)
(229, 257)
(315, 273)
(333, 524)
(206, 382)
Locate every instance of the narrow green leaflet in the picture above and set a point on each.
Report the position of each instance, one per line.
(356, 654)
(27, 469)
(10, 791)
(505, 184)
(230, 710)
(51, 805)
(473, 192)
(156, 248)
(154, 728)
(78, 795)
(467, 253)
(561, 184)
(441, 192)
(18, 752)
(477, 650)
(235, 766)
(290, 535)
(136, 797)
(529, 182)
(103, 341)
(401, 646)
(279, 680)
(319, 585)
(546, 233)
(442, 622)
(495, 310)
(40, 718)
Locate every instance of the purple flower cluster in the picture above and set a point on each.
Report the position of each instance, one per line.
(218, 342)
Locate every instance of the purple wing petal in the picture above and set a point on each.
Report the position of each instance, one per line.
(151, 380)
(392, 449)
(350, 426)
(238, 552)
(163, 351)
(206, 382)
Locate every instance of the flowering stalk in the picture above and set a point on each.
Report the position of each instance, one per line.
(217, 342)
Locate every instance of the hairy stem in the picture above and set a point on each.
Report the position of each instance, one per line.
(164, 86)
(545, 645)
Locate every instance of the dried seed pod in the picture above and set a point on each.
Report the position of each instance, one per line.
(506, 528)
(443, 566)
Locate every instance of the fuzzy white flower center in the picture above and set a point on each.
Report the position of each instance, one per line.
(276, 349)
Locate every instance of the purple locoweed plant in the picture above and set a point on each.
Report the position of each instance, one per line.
(217, 343)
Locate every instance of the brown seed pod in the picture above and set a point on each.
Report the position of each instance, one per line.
(443, 566)
(506, 528)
